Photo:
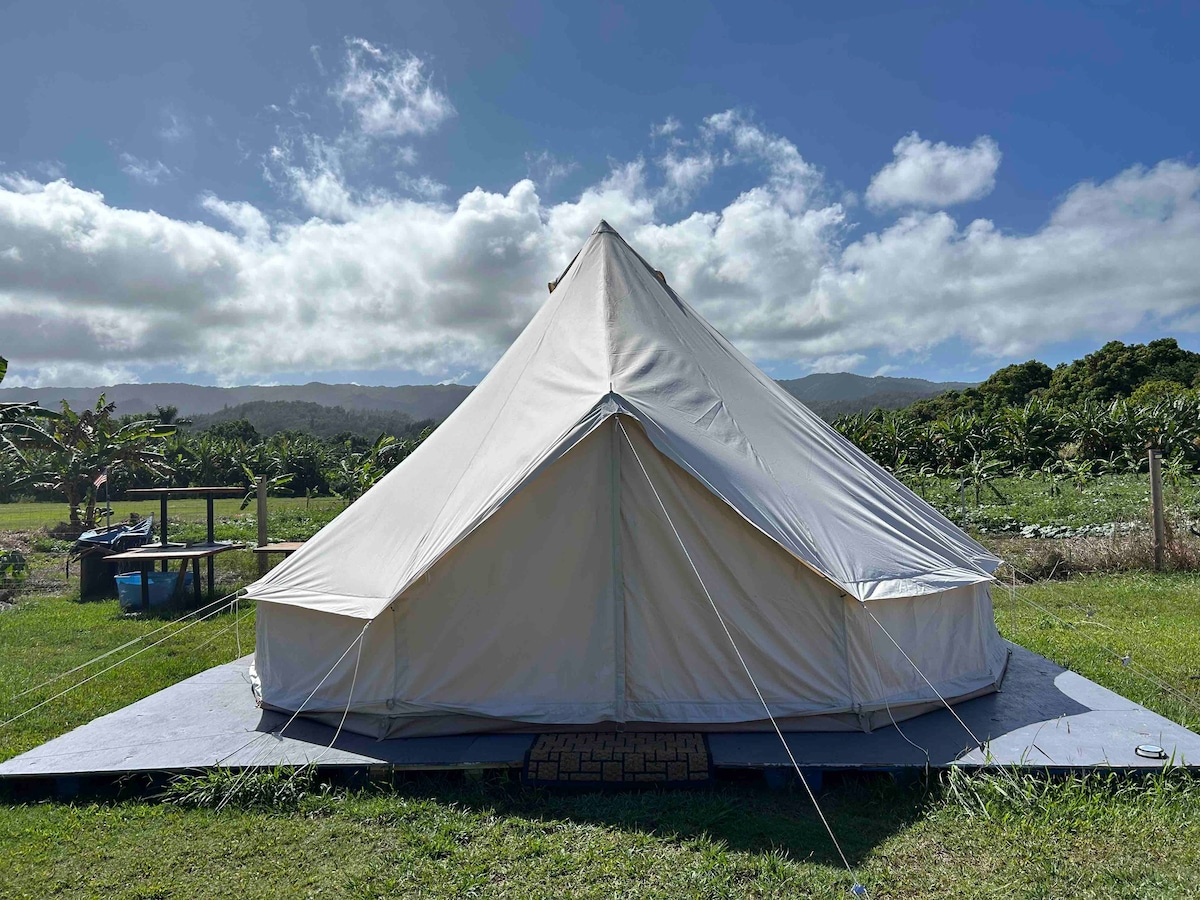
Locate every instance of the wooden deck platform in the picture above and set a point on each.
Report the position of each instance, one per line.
(1045, 717)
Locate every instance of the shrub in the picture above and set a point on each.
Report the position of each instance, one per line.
(13, 568)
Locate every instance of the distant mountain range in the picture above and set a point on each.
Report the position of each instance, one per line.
(827, 394)
(417, 401)
(273, 416)
(831, 394)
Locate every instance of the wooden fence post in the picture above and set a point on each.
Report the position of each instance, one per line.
(262, 524)
(1156, 502)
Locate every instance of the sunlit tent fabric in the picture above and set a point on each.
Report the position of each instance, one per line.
(526, 566)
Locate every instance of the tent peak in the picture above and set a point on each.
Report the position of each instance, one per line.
(605, 228)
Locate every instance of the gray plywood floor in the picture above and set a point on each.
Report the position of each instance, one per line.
(1044, 716)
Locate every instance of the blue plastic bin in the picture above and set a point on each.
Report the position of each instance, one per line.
(162, 585)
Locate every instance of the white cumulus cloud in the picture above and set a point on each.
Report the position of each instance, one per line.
(927, 175)
(370, 279)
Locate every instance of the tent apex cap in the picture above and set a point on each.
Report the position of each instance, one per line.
(605, 228)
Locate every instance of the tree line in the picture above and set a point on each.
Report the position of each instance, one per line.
(60, 455)
(1073, 423)
(1097, 415)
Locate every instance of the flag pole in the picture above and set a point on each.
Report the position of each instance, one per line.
(107, 504)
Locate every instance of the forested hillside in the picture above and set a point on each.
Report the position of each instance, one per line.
(1116, 370)
(270, 417)
(830, 394)
(827, 394)
(1096, 415)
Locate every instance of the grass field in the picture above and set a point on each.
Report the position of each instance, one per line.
(188, 511)
(1026, 501)
(23, 527)
(988, 837)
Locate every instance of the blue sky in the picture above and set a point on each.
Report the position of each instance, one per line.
(279, 192)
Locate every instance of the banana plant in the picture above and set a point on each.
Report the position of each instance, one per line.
(84, 444)
(21, 426)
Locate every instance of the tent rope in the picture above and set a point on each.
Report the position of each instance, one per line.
(917, 669)
(125, 646)
(888, 706)
(248, 766)
(119, 662)
(236, 624)
(858, 888)
(1133, 667)
(349, 700)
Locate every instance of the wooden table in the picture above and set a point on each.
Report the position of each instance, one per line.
(145, 557)
(164, 493)
(287, 548)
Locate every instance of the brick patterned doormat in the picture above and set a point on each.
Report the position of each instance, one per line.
(618, 758)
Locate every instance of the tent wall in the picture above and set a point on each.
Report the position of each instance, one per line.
(521, 625)
(788, 622)
(517, 621)
(951, 637)
(297, 647)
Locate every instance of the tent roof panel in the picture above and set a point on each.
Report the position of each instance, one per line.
(613, 338)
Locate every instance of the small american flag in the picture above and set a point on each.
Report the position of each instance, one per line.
(101, 478)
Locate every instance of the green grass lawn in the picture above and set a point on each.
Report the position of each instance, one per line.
(989, 837)
(1021, 501)
(23, 527)
(43, 636)
(1026, 501)
(236, 524)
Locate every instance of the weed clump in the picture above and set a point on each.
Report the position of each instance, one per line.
(277, 788)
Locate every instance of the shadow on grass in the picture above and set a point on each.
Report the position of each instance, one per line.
(740, 814)
(863, 810)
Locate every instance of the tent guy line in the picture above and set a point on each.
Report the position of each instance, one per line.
(923, 678)
(248, 767)
(858, 888)
(126, 645)
(1129, 665)
(310, 764)
(349, 702)
(119, 662)
(887, 706)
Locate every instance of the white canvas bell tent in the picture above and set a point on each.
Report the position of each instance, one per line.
(557, 552)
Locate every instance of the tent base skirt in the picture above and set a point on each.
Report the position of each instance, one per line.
(384, 727)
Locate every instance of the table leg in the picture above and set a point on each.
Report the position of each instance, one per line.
(179, 578)
(162, 525)
(145, 566)
(196, 580)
